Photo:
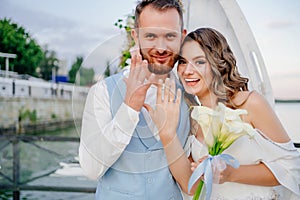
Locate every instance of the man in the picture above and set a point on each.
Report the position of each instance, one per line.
(119, 144)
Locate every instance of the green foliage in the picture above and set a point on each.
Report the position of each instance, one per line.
(74, 69)
(127, 25)
(53, 116)
(84, 75)
(24, 114)
(14, 39)
(32, 116)
(67, 114)
(48, 62)
(107, 72)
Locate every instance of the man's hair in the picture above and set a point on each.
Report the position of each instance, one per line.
(160, 5)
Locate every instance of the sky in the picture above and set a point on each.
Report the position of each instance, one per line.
(75, 28)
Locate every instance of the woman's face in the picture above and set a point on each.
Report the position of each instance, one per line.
(194, 70)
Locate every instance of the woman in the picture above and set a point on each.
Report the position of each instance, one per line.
(269, 162)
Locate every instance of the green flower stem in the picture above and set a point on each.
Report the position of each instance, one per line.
(198, 191)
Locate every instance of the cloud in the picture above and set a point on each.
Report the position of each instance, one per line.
(71, 42)
(33, 20)
(280, 24)
(68, 38)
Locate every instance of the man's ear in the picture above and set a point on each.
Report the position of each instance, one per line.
(184, 32)
(135, 50)
(134, 35)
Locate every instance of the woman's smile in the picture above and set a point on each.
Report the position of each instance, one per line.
(191, 81)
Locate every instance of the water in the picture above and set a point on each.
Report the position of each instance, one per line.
(36, 161)
(288, 114)
(57, 160)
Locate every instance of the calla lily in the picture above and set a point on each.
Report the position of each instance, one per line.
(221, 127)
(204, 116)
(209, 138)
(230, 139)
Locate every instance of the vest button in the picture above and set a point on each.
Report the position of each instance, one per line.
(150, 180)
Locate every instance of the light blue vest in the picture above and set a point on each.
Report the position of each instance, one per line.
(142, 170)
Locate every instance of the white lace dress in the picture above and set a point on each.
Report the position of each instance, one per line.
(282, 159)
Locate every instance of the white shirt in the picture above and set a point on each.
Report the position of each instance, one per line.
(104, 138)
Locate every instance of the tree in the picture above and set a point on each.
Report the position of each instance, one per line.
(48, 62)
(107, 72)
(14, 39)
(86, 74)
(75, 67)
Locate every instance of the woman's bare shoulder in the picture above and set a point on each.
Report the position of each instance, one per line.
(262, 116)
(248, 98)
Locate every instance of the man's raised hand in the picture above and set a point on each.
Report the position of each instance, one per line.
(136, 84)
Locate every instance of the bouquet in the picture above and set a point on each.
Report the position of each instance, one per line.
(221, 127)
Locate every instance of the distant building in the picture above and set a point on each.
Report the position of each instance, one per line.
(62, 73)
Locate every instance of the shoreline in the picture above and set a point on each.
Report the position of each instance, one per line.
(287, 100)
(35, 127)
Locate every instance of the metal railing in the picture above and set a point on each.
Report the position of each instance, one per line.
(15, 185)
(11, 87)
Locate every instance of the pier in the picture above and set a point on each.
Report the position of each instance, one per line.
(31, 105)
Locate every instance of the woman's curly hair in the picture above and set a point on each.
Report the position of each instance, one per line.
(226, 81)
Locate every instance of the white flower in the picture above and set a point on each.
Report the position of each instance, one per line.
(203, 115)
(231, 114)
(222, 125)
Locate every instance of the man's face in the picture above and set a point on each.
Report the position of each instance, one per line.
(159, 37)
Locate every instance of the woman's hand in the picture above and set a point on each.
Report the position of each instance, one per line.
(166, 112)
(224, 175)
(221, 173)
(194, 165)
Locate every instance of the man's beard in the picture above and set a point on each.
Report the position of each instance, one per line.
(158, 68)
